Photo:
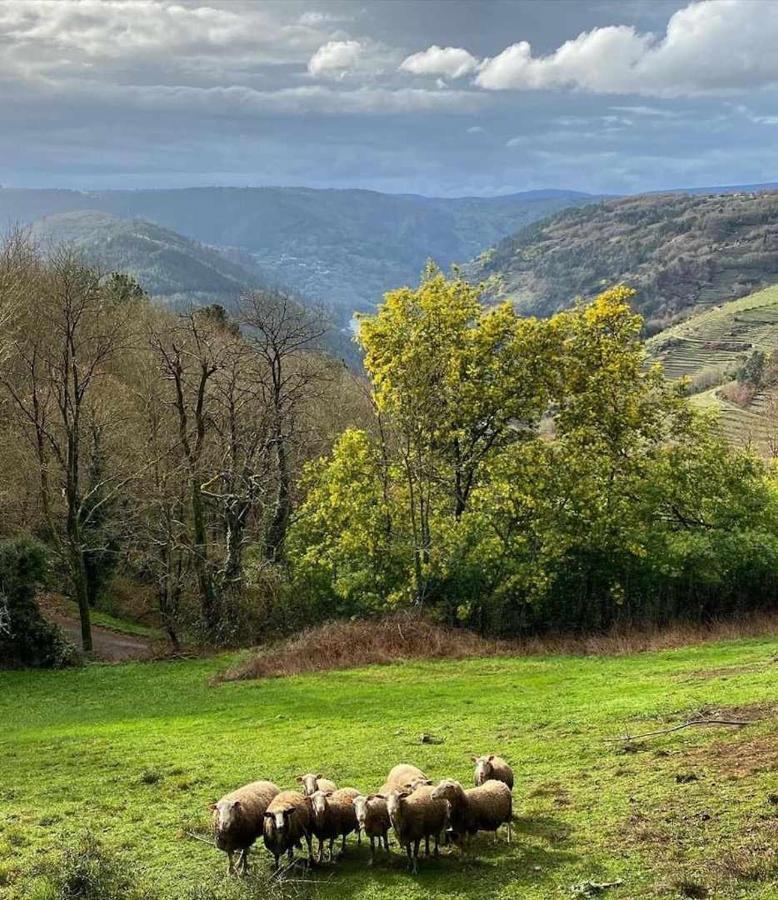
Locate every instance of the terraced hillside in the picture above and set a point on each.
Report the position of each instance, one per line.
(708, 348)
(678, 251)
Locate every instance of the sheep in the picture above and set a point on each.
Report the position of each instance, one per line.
(414, 815)
(238, 818)
(312, 783)
(332, 816)
(287, 822)
(482, 808)
(373, 819)
(492, 767)
(402, 776)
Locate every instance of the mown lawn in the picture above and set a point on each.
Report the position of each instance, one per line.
(136, 752)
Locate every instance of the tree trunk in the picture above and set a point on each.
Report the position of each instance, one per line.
(276, 534)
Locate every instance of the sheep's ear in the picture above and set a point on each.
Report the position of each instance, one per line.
(491, 757)
(268, 815)
(212, 807)
(319, 776)
(327, 793)
(236, 804)
(299, 779)
(474, 758)
(377, 796)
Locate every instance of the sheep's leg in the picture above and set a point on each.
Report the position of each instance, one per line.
(386, 842)
(290, 854)
(372, 850)
(309, 842)
(343, 845)
(332, 852)
(244, 859)
(277, 860)
(416, 857)
(509, 831)
(320, 857)
(409, 851)
(359, 837)
(230, 863)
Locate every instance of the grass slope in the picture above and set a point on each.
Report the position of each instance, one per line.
(712, 343)
(136, 752)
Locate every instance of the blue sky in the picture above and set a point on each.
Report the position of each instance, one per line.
(442, 97)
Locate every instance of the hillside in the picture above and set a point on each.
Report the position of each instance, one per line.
(85, 750)
(341, 247)
(167, 265)
(679, 250)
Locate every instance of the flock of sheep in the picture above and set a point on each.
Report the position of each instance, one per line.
(407, 802)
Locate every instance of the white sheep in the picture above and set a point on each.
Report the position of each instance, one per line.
(332, 816)
(312, 783)
(492, 767)
(373, 819)
(482, 808)
(287, 822)
(414, 815)
(238, 819)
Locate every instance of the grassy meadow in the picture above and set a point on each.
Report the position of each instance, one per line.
(136, 752)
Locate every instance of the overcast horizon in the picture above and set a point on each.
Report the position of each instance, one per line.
(453, 98)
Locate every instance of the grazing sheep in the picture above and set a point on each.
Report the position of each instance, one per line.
(333, 815)
(402, 776)
(373, 819)
(415, 815)
(494, 768)
(237, 821)
(482, 808)
(286, 823)
(312, 783)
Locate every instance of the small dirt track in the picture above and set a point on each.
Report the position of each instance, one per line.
(108, 645)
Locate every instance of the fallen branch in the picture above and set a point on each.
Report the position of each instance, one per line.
(634, 737)
(202, 840)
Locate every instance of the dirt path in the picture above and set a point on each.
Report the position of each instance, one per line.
(108, 645)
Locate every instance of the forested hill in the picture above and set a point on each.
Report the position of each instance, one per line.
(168, 266)
(677, 250)
(344, 248)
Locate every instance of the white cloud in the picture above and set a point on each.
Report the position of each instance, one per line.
(335, 57)
(709, 47)
(453, 62)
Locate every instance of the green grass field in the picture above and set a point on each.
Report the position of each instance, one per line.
(136, 752)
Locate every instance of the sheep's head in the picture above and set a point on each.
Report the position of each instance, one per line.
(483, 768)
(448, 789)
(395, 800)
(226, 814)
(280, 818)
(310, 783)
(319, 803)
(415, 783)
(360, 808)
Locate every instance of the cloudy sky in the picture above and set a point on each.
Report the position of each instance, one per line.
(446, 97)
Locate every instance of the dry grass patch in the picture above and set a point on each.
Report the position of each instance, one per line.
(409, 636)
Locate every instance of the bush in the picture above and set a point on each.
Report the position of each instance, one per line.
(26, 638)
(88, 872)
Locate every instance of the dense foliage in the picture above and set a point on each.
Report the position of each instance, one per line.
(530, 475)
(26, 638)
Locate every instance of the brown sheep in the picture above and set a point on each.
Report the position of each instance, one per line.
(373, 819)
(494, 768)
(237, 821)
(287, 823)
(333, 815)
(482, 808)
(312, 783)
(415, 815)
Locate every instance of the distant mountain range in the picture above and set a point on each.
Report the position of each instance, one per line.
(679, 250)
(342, 248)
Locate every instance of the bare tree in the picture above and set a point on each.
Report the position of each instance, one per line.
(60, 351)
(284, 335)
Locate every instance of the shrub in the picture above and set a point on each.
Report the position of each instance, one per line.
(88, 872)
(26, 638)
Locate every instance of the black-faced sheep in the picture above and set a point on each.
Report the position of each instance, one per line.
(492, 768)
(415, 815)
(238, 819)
(333, 816)
(373, 819)
(312, 783)
(287, 822)
(482, 808)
